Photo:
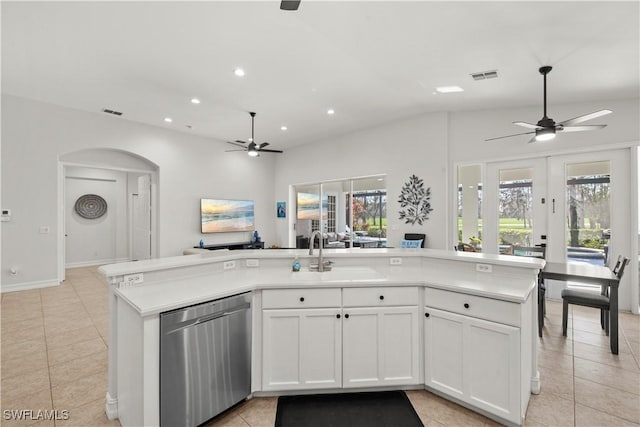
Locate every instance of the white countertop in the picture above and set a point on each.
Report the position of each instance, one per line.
(174, 293)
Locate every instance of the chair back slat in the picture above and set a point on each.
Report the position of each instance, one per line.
(617, 265)
(621, 269)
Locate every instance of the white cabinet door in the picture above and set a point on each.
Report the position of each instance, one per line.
(302, 349)
(475, 361)
(492, 359)
(380, 346)
(443, 355)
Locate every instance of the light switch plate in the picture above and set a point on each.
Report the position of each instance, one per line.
(395, 261)
(253, 263)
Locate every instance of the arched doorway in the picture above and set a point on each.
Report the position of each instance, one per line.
(125, 185)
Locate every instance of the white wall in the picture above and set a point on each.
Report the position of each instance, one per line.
(414, 146)
(35, 134)
(102, 240)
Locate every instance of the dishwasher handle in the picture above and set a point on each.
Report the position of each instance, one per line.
(209, 318)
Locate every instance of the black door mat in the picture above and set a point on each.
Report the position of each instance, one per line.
(378, 409)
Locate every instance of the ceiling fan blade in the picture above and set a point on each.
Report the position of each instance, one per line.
(236, 144)
(241, 142)
(585, 117)
(289, 4)
(264, 144)
(509, 136)
(526, 125)
(582, 128)
(270, 151)
(532, 140)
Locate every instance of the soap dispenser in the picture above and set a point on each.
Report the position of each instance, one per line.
(296, 265)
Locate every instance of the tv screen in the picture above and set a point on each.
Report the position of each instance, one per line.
(222, 216)
(309, 206)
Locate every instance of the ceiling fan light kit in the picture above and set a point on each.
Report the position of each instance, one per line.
(546, 128)
(252, 148)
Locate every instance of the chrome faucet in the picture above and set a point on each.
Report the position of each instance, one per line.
(322, 265)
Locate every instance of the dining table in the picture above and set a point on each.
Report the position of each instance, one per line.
(590, 274)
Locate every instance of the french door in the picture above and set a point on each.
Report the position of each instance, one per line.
(514, 200)
(579, 205)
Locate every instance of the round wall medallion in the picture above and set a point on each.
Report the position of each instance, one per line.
(91, 206)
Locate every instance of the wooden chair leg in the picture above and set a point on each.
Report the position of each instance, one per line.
(602, 315)
(565, 316)
(606, 321)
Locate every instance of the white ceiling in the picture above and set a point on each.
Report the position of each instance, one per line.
(372, 61)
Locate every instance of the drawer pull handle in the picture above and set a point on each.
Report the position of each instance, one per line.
(301, 299)
(381, 297)
(426, 315)
(466, 305)
(346, 316)
(337, 316)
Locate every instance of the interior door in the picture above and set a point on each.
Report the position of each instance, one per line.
(514, 207)
(141, 220)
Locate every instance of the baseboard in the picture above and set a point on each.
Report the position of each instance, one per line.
(111, 407)
(95, 262)
(14, 287)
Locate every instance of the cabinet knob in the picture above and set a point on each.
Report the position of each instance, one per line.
(301, 299)
(381, 297)
(466, 305)
(337, 316)
(346, 316)
(426, 315)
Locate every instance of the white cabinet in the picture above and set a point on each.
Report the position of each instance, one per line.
(381, 346)
(302, 349)
(475, 361)
(351, 345)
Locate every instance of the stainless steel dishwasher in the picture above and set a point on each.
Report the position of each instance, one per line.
(205, 360)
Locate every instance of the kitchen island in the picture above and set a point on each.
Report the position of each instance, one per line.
(459, 324)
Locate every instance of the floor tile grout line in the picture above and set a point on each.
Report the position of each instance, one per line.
(46, 353)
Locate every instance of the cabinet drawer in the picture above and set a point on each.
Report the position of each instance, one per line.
(382, 296)
(301, 298)
(474, 306)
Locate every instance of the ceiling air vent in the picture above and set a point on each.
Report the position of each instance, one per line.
(108, 111)
(483, 75)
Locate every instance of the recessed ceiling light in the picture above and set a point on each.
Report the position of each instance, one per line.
(168, 119)
(239, 72)
(449, 89)
(283, 128)
(195, 101)
(330, 111)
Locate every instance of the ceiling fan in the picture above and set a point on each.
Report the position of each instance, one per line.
(289, 4)
(252, 148)
(546, 128)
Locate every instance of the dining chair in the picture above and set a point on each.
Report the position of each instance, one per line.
(589, 299)
(536, 252)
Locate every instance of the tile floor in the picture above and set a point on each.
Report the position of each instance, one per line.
(54, 356)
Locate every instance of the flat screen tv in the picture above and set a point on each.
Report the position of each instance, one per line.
(309, 206)
(223, 216)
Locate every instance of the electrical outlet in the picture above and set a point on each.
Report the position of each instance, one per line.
(253, 263)
(395, 261)
(132, 279)
(484, 268)
(228, 265)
